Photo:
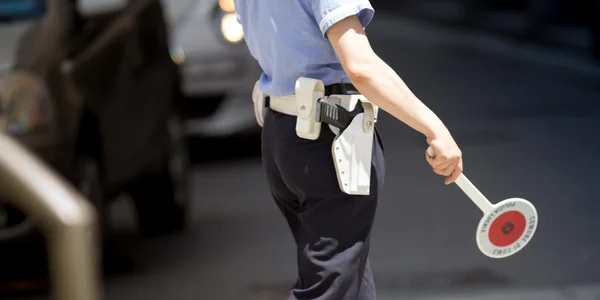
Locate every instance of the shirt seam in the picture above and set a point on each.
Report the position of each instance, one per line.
(342, 9)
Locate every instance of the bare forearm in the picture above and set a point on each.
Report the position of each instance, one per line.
(381, 85)
(377, 81)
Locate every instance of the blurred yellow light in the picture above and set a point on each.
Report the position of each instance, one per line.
(177, 55)
(227, 5)
(231, 29)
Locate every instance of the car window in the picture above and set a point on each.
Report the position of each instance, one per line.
(11, 34)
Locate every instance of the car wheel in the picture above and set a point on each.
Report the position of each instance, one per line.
(162, 200)
(89, 182)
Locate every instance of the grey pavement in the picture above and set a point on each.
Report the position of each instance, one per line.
(397, 27)
(569, 293)
(527, 129)
(506, 22)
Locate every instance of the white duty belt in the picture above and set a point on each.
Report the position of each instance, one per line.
(284, 104)
(350, 116)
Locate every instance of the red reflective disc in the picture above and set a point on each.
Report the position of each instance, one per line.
(507, 228)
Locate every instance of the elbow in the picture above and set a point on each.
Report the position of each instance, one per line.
(362, 71)
(358, 74)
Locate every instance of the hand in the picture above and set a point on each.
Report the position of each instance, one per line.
(447, 160)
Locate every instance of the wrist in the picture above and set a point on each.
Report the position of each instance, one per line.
(435, 131)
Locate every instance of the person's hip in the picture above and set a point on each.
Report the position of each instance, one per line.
(333, 122)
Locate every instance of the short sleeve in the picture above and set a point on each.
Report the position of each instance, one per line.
(236, 7)
(329, 12)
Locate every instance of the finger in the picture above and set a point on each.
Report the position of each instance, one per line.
(441, 169)
(449, 163)
(438, 159)
(441, 162)
(452, 178)
(428, 157)
(431, 160)
(447, 171)
(456, 172)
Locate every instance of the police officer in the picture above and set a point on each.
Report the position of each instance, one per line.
(325, 40)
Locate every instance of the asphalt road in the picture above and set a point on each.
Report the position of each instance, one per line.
(527, 129)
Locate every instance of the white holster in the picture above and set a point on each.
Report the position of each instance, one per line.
(260, 108)
(353, 147)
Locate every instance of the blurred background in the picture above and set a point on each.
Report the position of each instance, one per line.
(144, 107)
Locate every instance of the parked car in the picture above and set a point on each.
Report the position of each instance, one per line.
(217, 71)
(93, 91)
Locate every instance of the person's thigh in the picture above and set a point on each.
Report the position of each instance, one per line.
(334, 232)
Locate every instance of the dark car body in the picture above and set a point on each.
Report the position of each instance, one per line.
(96, 97)
(217, 70)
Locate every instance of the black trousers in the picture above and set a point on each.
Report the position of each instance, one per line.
(332, 229)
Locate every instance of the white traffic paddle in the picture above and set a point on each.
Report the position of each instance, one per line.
(506, 228)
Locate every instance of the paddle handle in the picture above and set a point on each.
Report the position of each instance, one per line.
(470, 190)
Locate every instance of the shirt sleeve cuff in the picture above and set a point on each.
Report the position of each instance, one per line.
(363, 9)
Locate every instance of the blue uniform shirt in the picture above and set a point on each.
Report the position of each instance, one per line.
(287, 38)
